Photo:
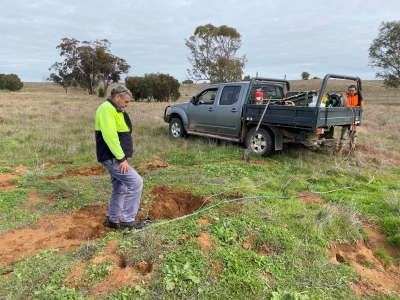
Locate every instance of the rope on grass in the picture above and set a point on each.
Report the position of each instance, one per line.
(311, 187)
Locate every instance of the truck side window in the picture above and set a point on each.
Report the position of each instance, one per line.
(207, 96)
(230, 95)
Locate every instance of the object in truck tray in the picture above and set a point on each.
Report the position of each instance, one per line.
(284, 103)
(302, 98)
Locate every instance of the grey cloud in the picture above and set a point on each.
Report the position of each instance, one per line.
(279, 37)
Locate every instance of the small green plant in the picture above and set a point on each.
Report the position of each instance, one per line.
(177, 276)
(285, 295)
(97, 272)
(368, 264)
(381, 253)
(394, 240)
(5, 170)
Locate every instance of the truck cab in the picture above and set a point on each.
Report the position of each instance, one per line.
(215, 110)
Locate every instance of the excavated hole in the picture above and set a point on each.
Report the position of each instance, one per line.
(121, 263)
(171, 202)
(144, 268)
(340, 258)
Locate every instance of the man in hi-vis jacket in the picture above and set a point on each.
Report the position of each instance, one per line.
(113, 132)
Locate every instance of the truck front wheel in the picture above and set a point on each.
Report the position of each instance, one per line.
(176, 129)
(260, 143)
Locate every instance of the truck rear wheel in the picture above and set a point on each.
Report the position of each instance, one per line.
(261, 143)
(176, 129)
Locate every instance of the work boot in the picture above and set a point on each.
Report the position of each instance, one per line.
(110, 224)
(132, 225)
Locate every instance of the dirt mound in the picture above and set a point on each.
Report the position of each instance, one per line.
(376, 275)
(172, 202)
(5, 184)
(97, 170)
(65, 232)
(120, 272)
(158, 163)
(309, 199)
(205, 241)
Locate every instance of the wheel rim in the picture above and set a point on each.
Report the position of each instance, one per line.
(258, 143)
(175, 130)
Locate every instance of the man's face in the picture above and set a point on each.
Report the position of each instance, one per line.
(122, 102)
(351, 91)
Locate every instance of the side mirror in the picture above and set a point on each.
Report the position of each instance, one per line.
(193, 100)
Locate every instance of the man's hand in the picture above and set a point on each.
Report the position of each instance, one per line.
(123, 166)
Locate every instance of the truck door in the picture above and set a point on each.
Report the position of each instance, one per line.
(201, 113)
(228, 110)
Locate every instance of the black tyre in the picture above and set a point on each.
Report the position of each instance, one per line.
(176, 129)
(261, 143)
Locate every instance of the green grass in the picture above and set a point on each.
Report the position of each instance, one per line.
(288, 240)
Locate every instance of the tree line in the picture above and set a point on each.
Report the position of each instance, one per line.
(212, 56)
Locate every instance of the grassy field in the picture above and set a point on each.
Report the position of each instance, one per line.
(300, 224)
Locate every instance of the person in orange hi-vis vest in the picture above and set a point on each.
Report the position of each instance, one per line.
(353, 99)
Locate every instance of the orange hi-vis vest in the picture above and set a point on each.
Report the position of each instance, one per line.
(353, 101)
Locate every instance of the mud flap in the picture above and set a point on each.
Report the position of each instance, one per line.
(278, 137)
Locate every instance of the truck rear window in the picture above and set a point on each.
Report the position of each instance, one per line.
(230, 95)
(273, 91)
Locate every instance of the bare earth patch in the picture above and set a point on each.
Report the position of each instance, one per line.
(120, 273)
(97, 170)
(33, 197)
(205, 221)
(158, 163)
(309, 199)
(375, 277)
(205, 241)
(65, 232)
(5, 184)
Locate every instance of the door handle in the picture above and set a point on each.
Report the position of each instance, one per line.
(210, 109)
(234, 110)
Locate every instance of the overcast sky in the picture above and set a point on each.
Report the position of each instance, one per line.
(280, 37)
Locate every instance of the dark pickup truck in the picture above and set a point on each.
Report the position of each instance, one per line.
(229, 111)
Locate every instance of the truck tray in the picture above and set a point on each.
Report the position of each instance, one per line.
(309, 118)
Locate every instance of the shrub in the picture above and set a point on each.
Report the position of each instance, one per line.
(101, 93)
(187, 81)
(12, 82)
(1, 80)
